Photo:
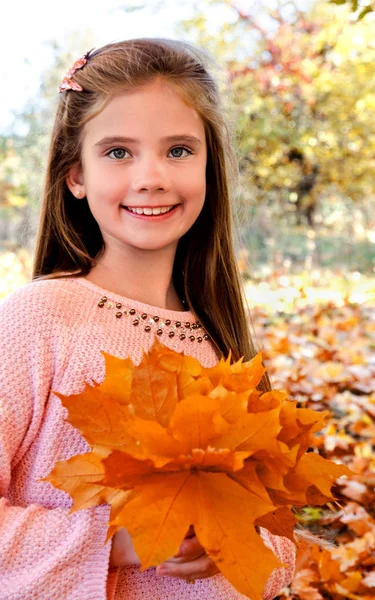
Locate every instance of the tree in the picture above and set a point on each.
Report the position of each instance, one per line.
(27, 153)
(304, 96)
(12, 189)
(361, 8)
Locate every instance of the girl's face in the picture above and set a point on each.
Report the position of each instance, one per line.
(143, 168)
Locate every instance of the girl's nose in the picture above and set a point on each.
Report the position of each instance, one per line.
(150, 176)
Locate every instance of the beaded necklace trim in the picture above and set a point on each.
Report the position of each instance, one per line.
(192, 331)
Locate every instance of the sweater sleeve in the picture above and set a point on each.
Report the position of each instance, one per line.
(44, 552)
(285, 550)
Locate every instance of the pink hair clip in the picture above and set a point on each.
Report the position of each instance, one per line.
(68, 83)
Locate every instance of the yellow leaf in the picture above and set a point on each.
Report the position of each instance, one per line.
(159, 516)
(313, 469)
(224, 525)
(251, 431)
(99, 417)
(197, 422)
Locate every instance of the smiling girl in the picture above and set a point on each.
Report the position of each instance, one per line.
(134, 242)
(145, 189)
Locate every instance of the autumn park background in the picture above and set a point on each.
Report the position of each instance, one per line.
(302, 106)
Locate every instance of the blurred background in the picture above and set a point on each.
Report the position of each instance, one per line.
(302, 108)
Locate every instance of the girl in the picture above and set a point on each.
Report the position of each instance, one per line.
(134, 241)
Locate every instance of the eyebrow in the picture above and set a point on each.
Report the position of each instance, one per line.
(107, 141)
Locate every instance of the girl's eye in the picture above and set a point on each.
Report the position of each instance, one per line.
(120, 153)
(117, 153)
(180, 149)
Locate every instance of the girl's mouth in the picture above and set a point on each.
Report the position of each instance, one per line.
(149, 212)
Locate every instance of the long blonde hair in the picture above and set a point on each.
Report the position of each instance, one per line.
(69, 240)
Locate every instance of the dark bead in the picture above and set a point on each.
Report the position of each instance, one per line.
(187, 325)
(171, 334)
(148, 328)
(167, 322)
(159, 331)
(200, 339)
(136, 322)
(119, 315)
(144, 316)
(104, 299)
(132, 311)
(205, 337)
(192, 338)
(178, 324)
(118, 305)
(195, 326)
(156, 319)
(101, 304)
(182, 336)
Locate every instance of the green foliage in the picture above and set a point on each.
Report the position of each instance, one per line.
(309, 514)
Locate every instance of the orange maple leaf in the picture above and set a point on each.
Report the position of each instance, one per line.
(174, 444)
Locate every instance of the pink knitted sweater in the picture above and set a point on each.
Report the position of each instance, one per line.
(52, 333)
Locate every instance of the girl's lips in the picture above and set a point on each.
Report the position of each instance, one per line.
(160, 217)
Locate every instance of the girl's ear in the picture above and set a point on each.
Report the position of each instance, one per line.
(74, 181)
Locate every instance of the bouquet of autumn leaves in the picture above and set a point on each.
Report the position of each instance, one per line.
(175, 444)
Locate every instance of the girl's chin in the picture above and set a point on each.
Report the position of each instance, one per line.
(152, 246)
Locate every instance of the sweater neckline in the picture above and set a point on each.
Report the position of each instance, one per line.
(173, 315)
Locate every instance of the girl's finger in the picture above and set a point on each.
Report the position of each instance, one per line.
(190, 533)
(198, 569)
(190, 549)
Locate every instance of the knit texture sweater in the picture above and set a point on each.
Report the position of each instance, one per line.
(52, 333)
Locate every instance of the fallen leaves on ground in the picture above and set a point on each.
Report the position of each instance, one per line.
(324, 356)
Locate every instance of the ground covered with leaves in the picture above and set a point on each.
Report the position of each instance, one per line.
(323, 354)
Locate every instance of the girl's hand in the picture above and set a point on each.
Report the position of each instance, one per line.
(190, 563)
(122, 552)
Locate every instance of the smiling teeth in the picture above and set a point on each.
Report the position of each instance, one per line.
(150, 211)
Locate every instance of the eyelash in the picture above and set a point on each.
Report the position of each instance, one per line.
(124, 149)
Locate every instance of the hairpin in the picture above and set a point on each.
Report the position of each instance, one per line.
(68, 83)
